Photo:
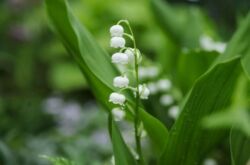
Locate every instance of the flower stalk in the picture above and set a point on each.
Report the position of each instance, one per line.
(129, 56)
(137, 99)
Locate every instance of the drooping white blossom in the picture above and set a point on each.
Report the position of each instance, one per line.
(116, 31)
(174, 112)
(121, 81)
(120, 58)
(152, 71)
(220, 47)
(164, 84)
(130, 53)
(143, 92)
(142, 71)
(117, 98)
(166, 99)
(152, 87)
(118, 114)
(117, 42)
(148, 72)
(210, 161)
(209, 44)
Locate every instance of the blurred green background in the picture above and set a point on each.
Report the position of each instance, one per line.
(46, 107)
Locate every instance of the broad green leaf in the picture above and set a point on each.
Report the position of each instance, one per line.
(121, 152)
(94, 62)
(191, 65)
(153, 126)
(237, 115)
(184, 25)
(188, 142)
(239, 118)
(240, 148)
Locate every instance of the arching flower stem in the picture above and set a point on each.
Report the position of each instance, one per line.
(137, 116)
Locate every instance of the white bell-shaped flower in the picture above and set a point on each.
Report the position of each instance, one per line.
(209, 44)
(121, 81)
(152, 71)
(130, 53)
(143, 92)
(117, 98)
(174, 112)
(210, 161)
(166, 99)
(116, 31)
(117, 42)
(120, 58)
(164, 84)
(142, 71)
(118, 114)
(152, 87)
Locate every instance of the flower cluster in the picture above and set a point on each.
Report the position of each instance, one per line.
(207, 43)
(164, 88)
(124, 56)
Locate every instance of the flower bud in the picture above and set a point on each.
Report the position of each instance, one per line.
(118, 114)
(116, 31)
(117, 98)
(121, 81)
(117, 42)
(120, 58)
(143, 91)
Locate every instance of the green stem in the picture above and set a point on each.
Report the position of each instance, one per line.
(137, 116)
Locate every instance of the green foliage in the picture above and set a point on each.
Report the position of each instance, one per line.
(239, 118)
(36, 71)
(95, 63)
(211, 92)
(74, 80)
(195, 63)
(58, 160)
(186, 27)
(240, 148)
(121, 152)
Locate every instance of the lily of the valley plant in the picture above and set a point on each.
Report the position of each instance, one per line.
(127, 56)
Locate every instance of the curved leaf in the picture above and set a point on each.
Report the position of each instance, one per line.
(237, 115)
(191, 65)
(188, 142)
(240, 148)
(157, 132)
(121, 152)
